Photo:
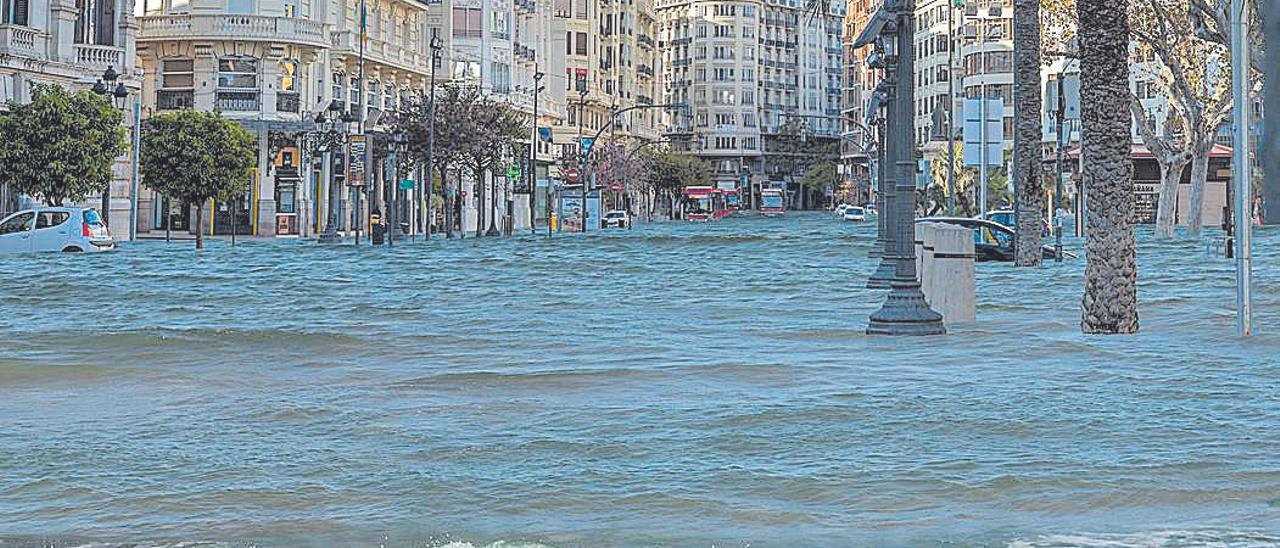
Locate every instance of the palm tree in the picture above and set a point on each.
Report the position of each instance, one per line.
(1027, 130)
(1110, 303)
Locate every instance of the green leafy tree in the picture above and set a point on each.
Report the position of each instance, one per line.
(61, 145)
(195, 156)
(820, 177)
(668, 173)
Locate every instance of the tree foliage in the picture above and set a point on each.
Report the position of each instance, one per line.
(195, 156)
(61, 145)
(821, 176)
(473, 132)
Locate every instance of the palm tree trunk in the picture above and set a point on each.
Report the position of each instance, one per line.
(1199, 177)
(1270, 145)
(1028, 132)
(1110, 302)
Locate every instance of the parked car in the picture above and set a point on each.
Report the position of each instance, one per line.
(69, 229)
(854, 213)
(992, 241)
(617, 219)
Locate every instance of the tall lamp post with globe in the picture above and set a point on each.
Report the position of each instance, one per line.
(109, 85)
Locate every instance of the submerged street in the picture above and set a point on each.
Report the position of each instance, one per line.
(675, 384)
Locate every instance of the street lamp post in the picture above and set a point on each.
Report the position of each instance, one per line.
(582, 147)
(436, 46)
(396, 145)
(532, 176)
(109, 86)
(905, 311)
(330, 134)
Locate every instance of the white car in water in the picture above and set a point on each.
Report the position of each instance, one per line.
(617, 219)
(69, 229)
(854, 213)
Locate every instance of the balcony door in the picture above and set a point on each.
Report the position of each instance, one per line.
(95, 22)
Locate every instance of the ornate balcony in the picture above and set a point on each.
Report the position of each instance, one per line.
(381, 51)
(96, 57)
(259, 28)
(20, 41)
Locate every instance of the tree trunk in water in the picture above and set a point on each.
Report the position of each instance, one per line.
(479, 189)
(1270, 145)
(1199, 177)
(1110, 301)
(200, 225)
(1029, 131)
(1167, 208)
(447, 203)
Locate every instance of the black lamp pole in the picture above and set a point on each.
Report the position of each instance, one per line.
(109, 87)
(905, 311)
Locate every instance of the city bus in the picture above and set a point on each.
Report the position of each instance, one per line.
(772, 202)
(704, 203)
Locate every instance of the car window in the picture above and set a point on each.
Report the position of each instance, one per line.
(50, 219)
(20, 223)
(91, 217)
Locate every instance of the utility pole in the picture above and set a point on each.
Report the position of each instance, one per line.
(1058, 190)
(982, 97)
(1243, 168)
(905, 311)
(582, 146)
(951, 106)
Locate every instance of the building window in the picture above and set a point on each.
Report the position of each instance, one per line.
(581, 11)
(466, 23)
(580, 44)
(177, 82)
(466, 70)
(336, 90)
(15, 12)
(95, 22)
(353, 92)
(289, 77)
(237, 84)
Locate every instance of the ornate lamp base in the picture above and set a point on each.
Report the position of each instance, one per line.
(905, 312)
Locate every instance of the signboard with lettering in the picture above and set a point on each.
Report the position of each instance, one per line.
(356, 168)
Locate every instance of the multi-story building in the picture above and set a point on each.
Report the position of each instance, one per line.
(858, 141)
(751, 72)
(961, 52)
(70, 43)
(271, 67)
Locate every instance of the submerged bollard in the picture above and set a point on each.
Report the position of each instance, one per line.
(945, 257)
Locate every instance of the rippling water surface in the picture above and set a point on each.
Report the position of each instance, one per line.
(678, 385)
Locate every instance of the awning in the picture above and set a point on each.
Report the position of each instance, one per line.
(1140, 151)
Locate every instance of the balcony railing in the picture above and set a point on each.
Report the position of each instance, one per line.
(232, 27)
(22, 41)
(174, 100)
(288, 102)
(236, 101)
(99, 56)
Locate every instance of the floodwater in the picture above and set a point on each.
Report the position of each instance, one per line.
(672, 385)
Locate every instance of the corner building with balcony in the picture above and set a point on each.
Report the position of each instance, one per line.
(751, 71)
(70, 43)
(271, 65)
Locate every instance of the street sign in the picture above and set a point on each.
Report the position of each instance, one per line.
(973, 137)
(572, 175)
(513, 172)
(544, 133)
(586, 144)
(406, 184)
